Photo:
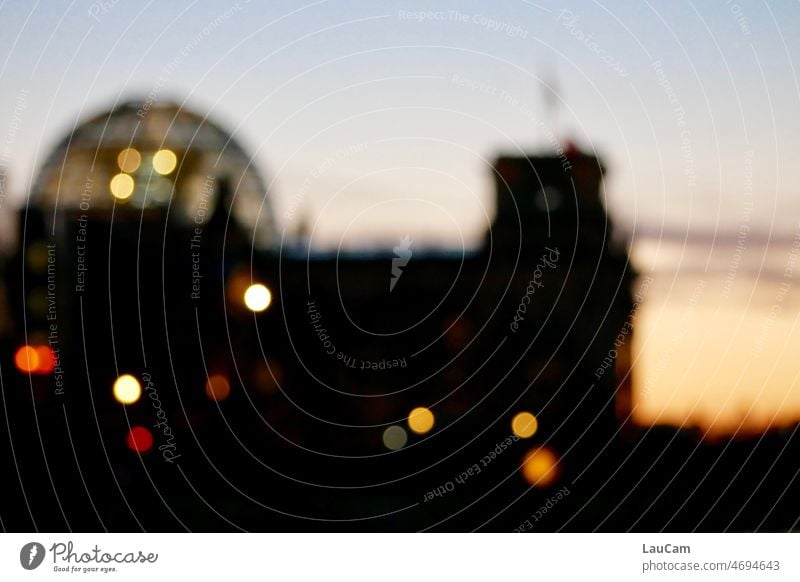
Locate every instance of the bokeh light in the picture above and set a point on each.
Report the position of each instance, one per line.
(140, 439)
(540, 467)
(36, 257)
(26, 359)
(420, 420)
(164, 161)
(257, 297)
(47, 360)
(37, 301)
(122, 186)
(127, 389)
(524, 425)
(129, 160)
(217, 387)
(395, 437)
(268, 376)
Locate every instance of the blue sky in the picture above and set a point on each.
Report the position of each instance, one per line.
(378, 119)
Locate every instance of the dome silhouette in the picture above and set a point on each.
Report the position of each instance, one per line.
(155, 155)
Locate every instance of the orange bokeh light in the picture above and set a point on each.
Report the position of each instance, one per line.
(540, 467)
(27, 360)
(217, 387)
(35, 359)
(421, 420)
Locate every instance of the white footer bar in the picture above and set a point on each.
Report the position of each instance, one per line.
(400, 557)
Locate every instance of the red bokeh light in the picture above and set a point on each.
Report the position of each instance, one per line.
(35, 359)
(47, 360)
(140, 439)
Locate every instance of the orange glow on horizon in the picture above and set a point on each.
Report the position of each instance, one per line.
(723, 362)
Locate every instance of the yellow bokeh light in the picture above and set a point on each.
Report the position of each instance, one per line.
(540, 467)
(164, 161)
(524, 425)
(257, 297)
(129, 160)
(420, 420)
(127, 389)
(36, 257)
(122, 186)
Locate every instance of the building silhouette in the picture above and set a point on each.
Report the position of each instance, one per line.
(277, 388)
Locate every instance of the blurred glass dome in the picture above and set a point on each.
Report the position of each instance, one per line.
(155, 155)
